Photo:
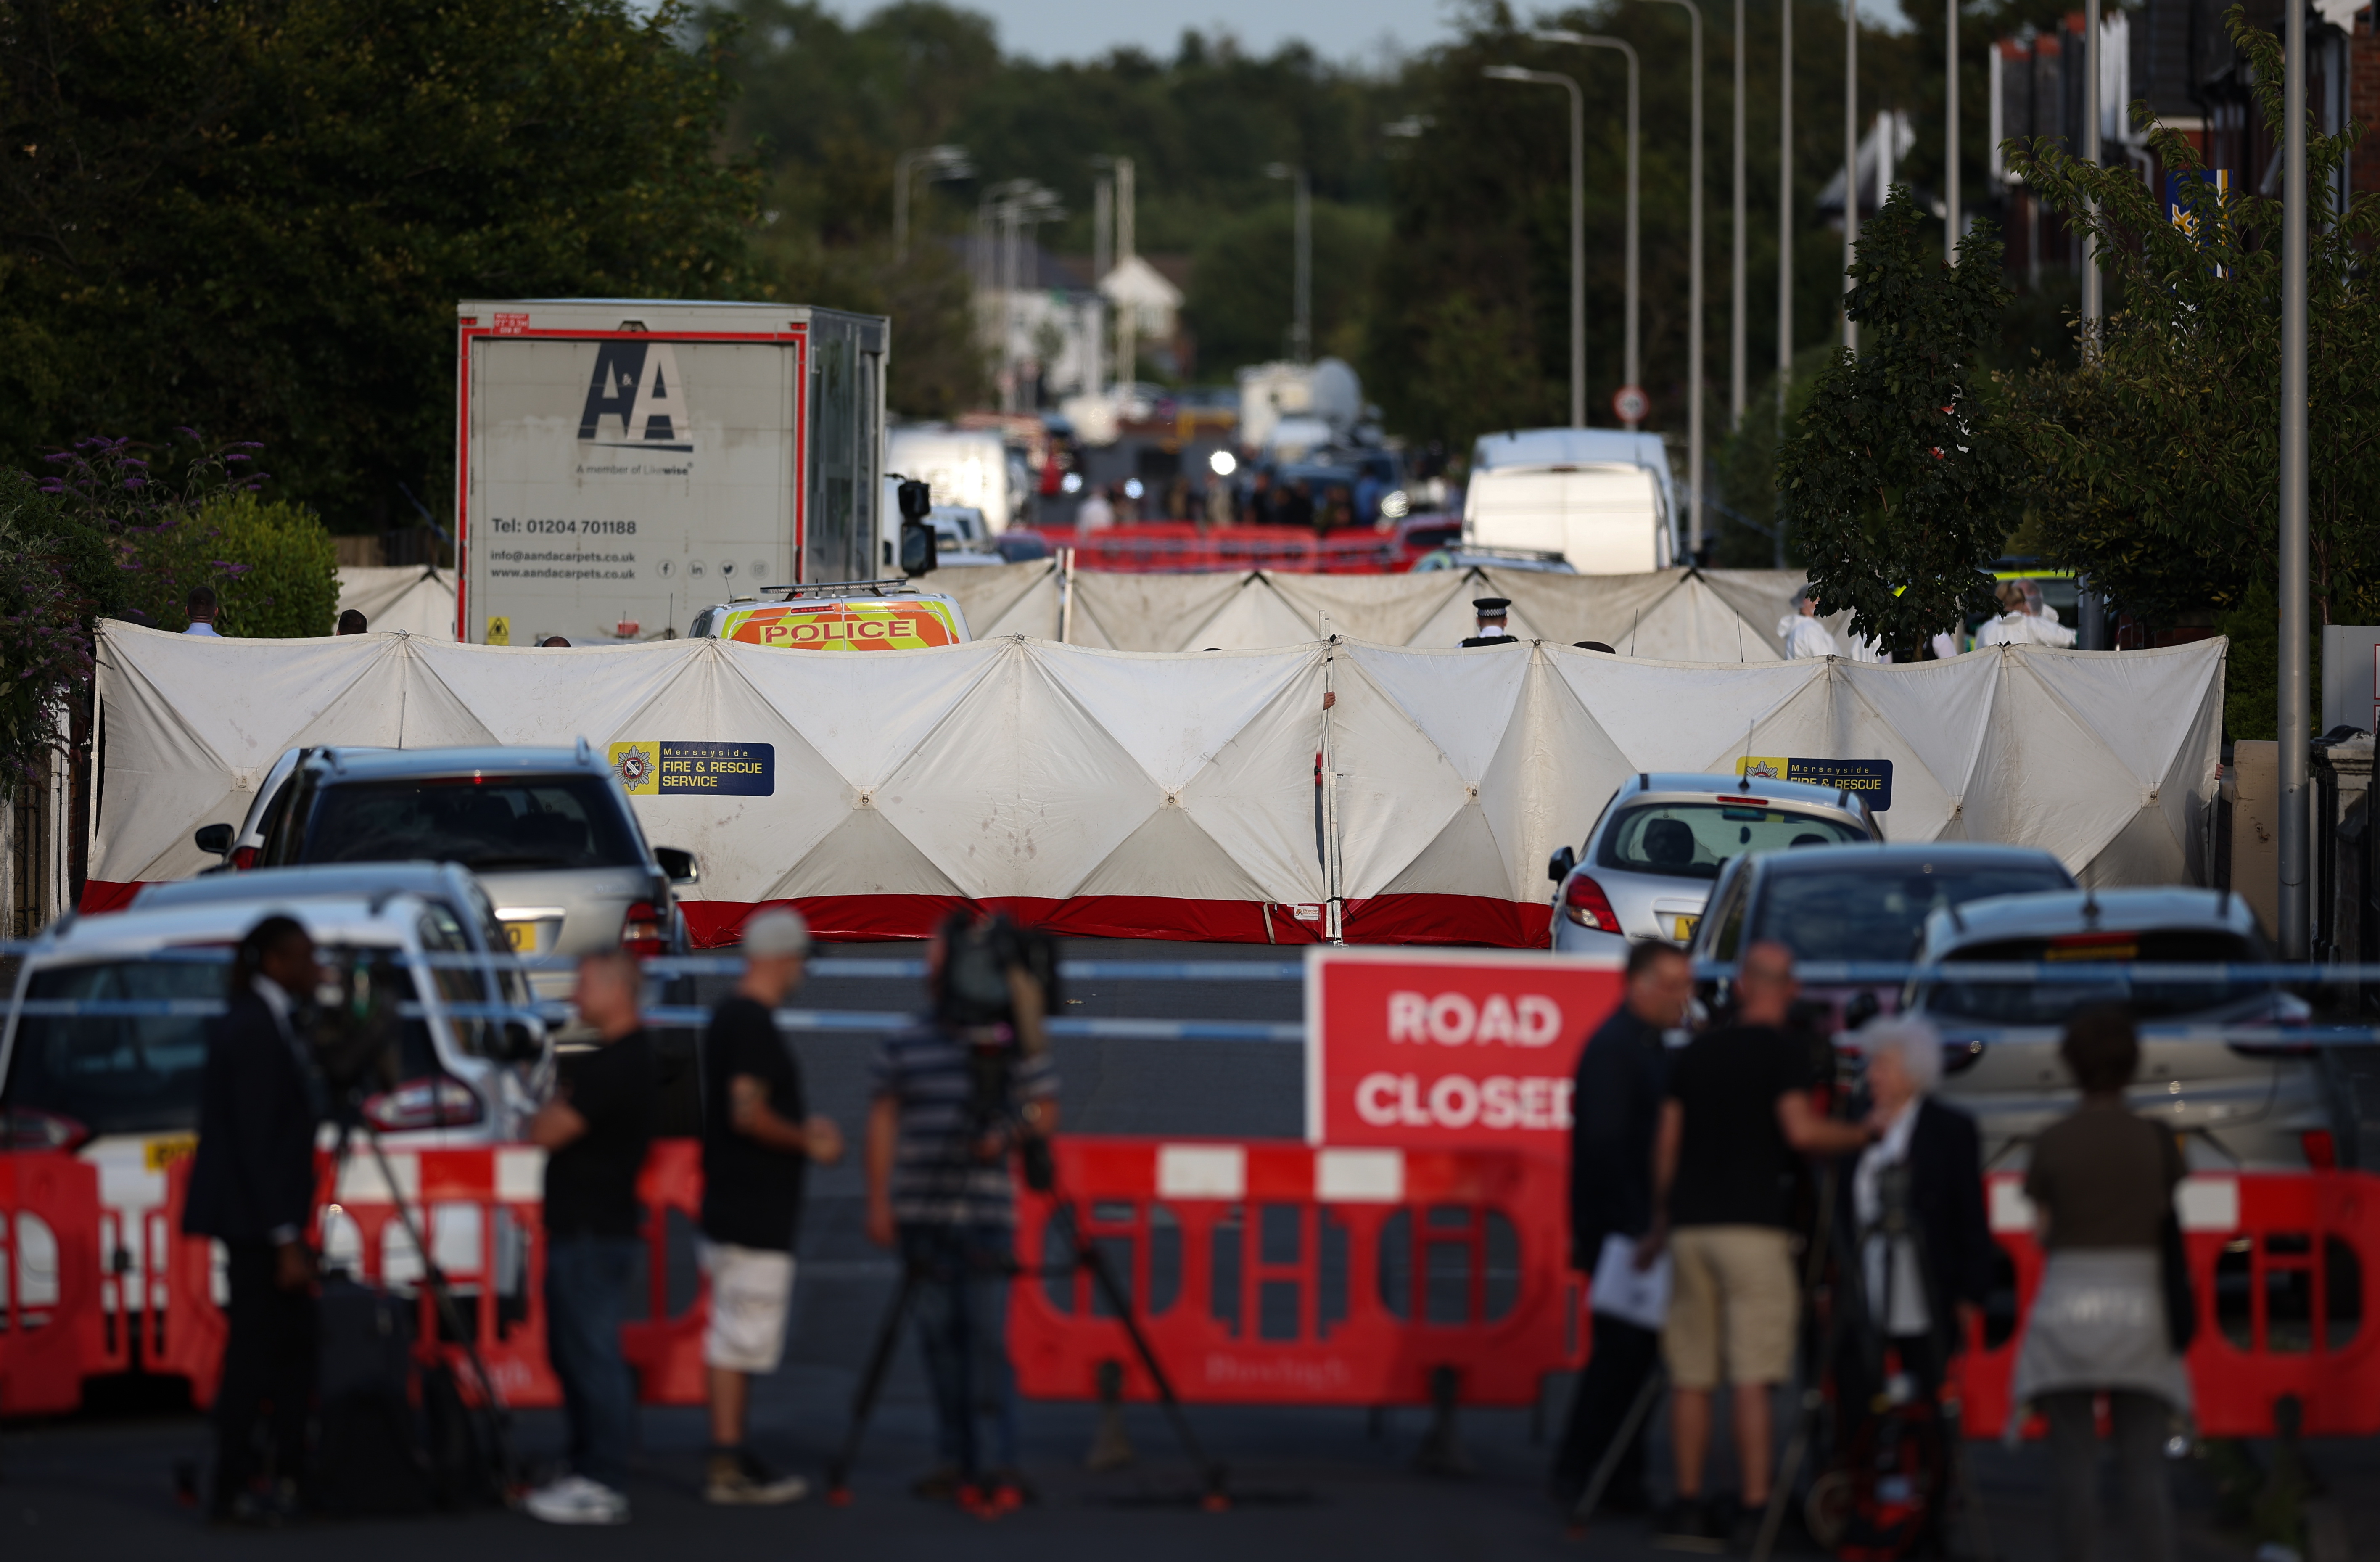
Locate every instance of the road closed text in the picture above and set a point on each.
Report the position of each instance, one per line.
(1427, 1049)
(1458, 1101)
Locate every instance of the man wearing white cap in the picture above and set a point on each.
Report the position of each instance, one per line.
(757, 1143)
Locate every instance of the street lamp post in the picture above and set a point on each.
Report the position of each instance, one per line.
(1301, 331)
(1695, 288)
(2296, 921)
(1577, 224)
(938, 163)
(1630, 372)
(1951, 222)
(1784, 228)
(1851, 164)
(2091, 306)
(1735, 365)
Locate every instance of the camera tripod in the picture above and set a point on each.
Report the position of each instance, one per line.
(1040, 1174)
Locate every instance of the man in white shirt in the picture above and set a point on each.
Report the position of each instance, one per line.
(2016, 626)
(201, 608)
(1490, 628)
(1095, 513)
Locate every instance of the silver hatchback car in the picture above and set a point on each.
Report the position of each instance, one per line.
(2242, 1098)
(1649, 864)
(548, 832)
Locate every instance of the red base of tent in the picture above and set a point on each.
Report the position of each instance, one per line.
(1385, 919)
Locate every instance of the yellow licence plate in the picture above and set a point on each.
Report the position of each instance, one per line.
(156, 1154)
(522, 936)
(1685, 928)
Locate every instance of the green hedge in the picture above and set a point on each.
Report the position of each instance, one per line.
(273, 565)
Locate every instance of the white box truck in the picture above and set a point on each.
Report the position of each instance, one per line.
(625, 463)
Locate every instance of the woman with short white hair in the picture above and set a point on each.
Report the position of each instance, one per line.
(1921, 1179)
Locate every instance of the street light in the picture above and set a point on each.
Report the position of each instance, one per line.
(1851, 165)
(1950, 134)
(1694, 287)
(1301, 331)
(1577, 224)
(938, 163)
(2091, 307)
(2296, 921)
(1596, 41)
(1735, 353)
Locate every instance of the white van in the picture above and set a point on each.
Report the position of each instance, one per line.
(1604, 517)
(966, 467)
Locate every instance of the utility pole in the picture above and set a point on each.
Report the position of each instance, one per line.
(1577, 224)
(1735, 368)
(1851, 164)
(1952, 222)
(2296, 927)
(1102, 257)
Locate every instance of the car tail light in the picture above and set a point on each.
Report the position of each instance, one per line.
(2321, 1150)
(243, 858)
(21, 1127)
(644, 933)
(436, 1102)
(1584, 903)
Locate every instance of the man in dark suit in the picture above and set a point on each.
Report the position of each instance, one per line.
(1490, 629)
(252, 1188)
(1615, 1108)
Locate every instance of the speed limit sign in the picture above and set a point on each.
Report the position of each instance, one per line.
(1630, 404)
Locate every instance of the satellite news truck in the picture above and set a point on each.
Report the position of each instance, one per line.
(625, 463)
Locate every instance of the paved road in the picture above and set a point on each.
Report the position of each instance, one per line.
(1325, 1483)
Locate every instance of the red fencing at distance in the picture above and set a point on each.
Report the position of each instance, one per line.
(1275, 1273)
(2283, 1265)
(1181, 547)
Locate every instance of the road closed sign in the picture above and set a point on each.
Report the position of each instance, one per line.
(1439, 1050)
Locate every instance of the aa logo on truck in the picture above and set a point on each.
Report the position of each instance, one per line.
(637, 383)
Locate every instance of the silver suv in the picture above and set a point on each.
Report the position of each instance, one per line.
(2239, 1099)
(1649, 862)
(548, 832)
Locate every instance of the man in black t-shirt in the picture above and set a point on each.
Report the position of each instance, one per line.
(1738, 1116)
(595, 1132)
(756, 1143)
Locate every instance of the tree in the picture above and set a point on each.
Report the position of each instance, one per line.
(1898, 481)
(2156, 461)
(260, 213)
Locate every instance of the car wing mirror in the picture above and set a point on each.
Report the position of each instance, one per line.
(680, 866)
(1558, 867)
(214, 838)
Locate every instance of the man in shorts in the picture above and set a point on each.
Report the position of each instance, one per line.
(1738, 1118)
(756, 1144)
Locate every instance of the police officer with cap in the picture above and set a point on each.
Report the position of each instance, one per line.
(1491, 610)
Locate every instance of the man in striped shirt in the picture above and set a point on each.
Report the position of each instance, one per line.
(950, 1103)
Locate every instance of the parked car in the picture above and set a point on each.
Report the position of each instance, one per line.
(548, 832)
(1523, 559)
(1848, 903)
(121, 1091)
(465, 918)
(2252, 1101)
(1649, 862)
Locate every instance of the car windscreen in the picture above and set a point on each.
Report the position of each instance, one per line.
(491, 825)
(1876, 912)
(1689, 840)
(2052, 1003)
(115, 1073)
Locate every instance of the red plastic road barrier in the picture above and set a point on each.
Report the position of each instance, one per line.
(1280, 1274)
(51, 1319)
(482, 1208)
(2283, 1264)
